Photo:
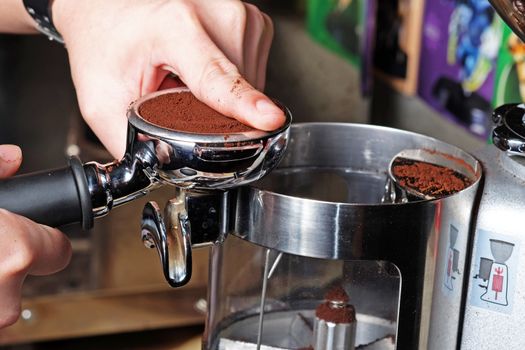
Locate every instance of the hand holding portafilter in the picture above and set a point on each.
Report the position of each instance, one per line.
(154, 156)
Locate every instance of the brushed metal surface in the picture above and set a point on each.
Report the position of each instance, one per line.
(285, 212)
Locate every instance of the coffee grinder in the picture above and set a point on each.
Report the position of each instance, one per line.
(323, 220)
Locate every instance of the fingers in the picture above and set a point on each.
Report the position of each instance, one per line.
(104, 109)
(255, 33)
(264, 52)
(10, 160)
(10, 298)
(226, 23)
(26, 248)
(217, 82)
(31, 248)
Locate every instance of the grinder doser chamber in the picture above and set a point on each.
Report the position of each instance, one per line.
(319, 220)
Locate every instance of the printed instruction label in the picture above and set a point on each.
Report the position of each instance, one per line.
(494, 271)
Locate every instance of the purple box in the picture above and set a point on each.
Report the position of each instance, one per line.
(460, 43)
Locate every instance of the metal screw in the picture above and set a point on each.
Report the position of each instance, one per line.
(201, 306)
(148, 241)
(26, 315)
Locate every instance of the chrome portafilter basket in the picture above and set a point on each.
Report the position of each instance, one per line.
(203, 166)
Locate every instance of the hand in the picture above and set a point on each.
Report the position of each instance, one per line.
(26, 248)
(120, 50)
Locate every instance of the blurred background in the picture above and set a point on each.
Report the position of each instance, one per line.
(436, 68)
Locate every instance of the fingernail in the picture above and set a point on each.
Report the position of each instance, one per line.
(266, 107)
(10, 153)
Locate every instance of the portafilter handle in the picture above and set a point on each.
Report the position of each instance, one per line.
(54, 198)
(80, 192)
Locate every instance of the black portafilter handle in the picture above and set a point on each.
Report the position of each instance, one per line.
(53, 197)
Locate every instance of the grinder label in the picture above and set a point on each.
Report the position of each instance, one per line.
(451, 272)
(493, 275)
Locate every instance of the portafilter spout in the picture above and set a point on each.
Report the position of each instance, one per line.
(155, 156)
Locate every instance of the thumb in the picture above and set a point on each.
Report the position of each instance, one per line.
(216, 81)
(10, 160)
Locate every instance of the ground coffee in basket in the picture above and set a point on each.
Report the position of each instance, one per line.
(181, 111)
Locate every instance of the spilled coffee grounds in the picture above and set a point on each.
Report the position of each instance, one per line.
(427, 178)
(182, 111)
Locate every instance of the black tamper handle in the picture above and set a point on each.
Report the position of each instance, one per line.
(54, 197)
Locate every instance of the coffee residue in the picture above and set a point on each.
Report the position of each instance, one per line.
(427, 178)
(336, 309)
(182, 111)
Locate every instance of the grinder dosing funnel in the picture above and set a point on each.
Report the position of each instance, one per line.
(154, 156)
(425, 174)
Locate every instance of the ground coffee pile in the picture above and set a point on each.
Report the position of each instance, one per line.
(427, 178)
(336, 309)
(181, 111)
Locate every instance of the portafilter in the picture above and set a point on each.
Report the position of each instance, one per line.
(198, 164)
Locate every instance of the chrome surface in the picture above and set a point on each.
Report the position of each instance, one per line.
(191, 220)
(171, 239)
(325, 201)
(210, 163)
(509, 133)
(155, 156)
(500, 212)
(513, 13)
(333, 336)
(266, 275)
(422, 155)
(327, 191)
(207, 161)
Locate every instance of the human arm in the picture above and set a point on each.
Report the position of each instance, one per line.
(14, 18)
(120, 50)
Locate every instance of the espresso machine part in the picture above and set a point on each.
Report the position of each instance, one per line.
(494, 306)
(323, 205)
(333, 335)
(396, 191)
(293, 291)
(154, 156)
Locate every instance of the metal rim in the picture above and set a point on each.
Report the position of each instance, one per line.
(138, 122)
(260, 191)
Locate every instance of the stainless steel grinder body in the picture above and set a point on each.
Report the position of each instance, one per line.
(494, 306)
(417, 237)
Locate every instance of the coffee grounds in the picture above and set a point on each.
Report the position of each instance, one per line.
(337, 294)
(336, 309)
(182, 111)
(427, 178)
